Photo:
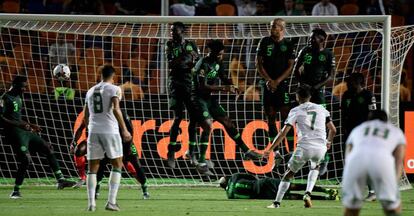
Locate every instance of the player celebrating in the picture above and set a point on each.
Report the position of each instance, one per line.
(102, 115)
(373, 139)
(310, 120)
(181, 55)
(246, 186)
(274, 62)
(24, 136)
(207, 71)
(130, 158)
(315, 65)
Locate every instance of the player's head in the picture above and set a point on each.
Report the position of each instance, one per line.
(107, 72)
(378, 114)
(278, 26)
(216, 48)
(317, 38)
(223, 182)
(19, 84)
(177, 30)
(355, 81)
(303, 93)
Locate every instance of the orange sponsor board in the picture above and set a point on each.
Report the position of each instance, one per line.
(230, 149)
(409, 134)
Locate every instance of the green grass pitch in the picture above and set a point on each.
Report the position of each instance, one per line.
(171, 201)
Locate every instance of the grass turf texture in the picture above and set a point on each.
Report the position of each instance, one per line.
(46, 200)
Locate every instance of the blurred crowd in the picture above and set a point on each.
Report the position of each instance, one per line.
(214, 7)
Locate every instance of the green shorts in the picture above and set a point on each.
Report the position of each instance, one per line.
(275, 99)
(207, 109)
(22, 140)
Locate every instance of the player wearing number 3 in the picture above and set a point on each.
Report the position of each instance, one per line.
(310, 120)
(102, 116)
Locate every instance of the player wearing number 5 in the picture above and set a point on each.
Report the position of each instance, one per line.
(311, 121)
(102, 116)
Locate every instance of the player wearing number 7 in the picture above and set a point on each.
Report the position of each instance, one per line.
(310, 120)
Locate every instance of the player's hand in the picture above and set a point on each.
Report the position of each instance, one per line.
(328, 144)
(126, 136)
(72, 147)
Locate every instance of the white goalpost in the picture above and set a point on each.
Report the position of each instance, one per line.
(134, 45)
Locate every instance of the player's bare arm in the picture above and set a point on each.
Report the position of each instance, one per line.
(276, 142)
(399, 155)
(118, 115)
(331, 134)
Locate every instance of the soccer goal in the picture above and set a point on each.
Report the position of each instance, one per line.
(135, 47)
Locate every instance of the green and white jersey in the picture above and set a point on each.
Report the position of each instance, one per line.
(101, 116)
(375, 137)
(310, 120)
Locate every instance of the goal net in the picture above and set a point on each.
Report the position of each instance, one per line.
(33, 45)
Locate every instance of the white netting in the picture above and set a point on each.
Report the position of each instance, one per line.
(137, 48)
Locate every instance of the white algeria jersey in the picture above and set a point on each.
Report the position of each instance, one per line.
(383, 137)
(101, 117)
(310, 120)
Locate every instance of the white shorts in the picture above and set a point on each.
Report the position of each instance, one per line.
(99, 144)
(380, 173)
(302, 155)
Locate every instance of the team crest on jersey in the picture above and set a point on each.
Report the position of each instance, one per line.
(322, 57)
(189, 48)
(283, 48)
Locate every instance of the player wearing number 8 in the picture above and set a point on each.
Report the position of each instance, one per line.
(310, 120)
(102, 116)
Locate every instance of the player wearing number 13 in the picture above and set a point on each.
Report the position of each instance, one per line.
(102, 116)
(373, 139)
(311, 121)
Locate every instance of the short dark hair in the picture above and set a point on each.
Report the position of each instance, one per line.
(378, 114)
(215, 45)
(179, 25)
(107, 71)
(357, 77)
(319, 31)
(18, 80)
(303, 91)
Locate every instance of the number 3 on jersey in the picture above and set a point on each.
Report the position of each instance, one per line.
(312, 115)
(97, 101)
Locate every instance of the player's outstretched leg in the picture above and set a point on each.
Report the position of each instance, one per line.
(139, 175)
(24, 159)
(202, 165)
(283, 188)
(46, 149)
(175, 128)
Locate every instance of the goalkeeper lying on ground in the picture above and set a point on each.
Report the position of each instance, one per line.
(246, 186)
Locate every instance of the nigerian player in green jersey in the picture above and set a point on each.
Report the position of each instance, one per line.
(274, 62)
(181, 55)
(315, 65)
(247, 186)
(207, 72)
(23, 136)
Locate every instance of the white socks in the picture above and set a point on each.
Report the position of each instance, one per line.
(283, 187)
(312, 178)
(114, 180)
(91, 187)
